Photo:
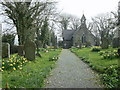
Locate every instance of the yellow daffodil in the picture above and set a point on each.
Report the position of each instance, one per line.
(24, 59)
(14, 63)
(3, 67)
(14, 68)
(11, 64)
(3, 63)
(20, 68)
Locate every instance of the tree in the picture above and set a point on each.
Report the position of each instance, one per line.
(23, 14)
(103, 28)
(74, 22)
(8, 38)
(44, 32)
(64, 20)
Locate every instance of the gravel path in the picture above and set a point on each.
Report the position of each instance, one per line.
(71, 72)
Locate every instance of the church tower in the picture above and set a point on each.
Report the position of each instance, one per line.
(83, 19)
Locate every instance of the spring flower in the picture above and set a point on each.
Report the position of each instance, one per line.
(3, 63)
(14, 68)
(24, 59)
(20, 68)
(3, 67)
(11, 64)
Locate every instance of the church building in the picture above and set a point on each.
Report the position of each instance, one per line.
(81, 36)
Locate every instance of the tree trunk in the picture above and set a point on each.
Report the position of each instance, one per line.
(37, 46)
(105, 43)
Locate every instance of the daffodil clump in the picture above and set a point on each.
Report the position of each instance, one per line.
(83, 46)
(96, 49)
(13, 63)
(55, 58)
(111, 77)
(109, 54)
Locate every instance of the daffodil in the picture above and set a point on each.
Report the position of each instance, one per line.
(14, 68)
(3, 67)
(11, 64)
(3, 63)
(20, 68)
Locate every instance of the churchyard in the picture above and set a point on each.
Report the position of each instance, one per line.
(18, 72)
(41, 59)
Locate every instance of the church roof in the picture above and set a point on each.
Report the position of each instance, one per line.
(68, 34)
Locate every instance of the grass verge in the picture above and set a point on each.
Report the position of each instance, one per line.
(106, 67)
(33, 73)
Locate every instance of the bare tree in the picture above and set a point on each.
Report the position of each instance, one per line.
(74, 22)
(23, 14)
(64, 20)
(103, 28)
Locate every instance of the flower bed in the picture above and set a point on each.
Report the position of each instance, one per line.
(109, 54)
(13, 63)
(96, 49)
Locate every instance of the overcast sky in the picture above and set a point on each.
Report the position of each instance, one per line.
(90, 8)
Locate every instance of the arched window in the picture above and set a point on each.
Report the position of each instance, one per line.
(83, 38)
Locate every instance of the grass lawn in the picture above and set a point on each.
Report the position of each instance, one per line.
(106, 67)
(33, 73)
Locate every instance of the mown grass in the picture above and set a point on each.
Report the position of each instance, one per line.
(106, 67)
(33, 73)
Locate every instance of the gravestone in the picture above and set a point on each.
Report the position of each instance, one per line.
(29, 48)
(115, 42)
(14, 49)
(20, 50)
(5, 50)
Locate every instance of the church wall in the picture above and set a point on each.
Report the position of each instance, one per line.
(67, 44)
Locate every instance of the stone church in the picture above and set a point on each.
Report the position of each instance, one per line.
(81, 36)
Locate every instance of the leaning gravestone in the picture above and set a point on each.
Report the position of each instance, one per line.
(29, 48)
(20, 50)
(5, 50)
